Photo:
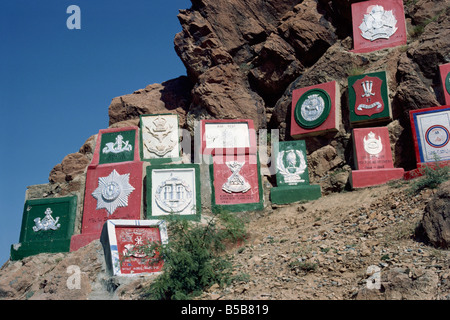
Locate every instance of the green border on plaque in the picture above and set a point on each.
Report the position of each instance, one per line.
(198, 204)
(110, 137)
(447, 83)
(383, 115)
(158, 161)
(241, 207)
(295, 145)
(290, 194)
(45, 241)
(310, 124)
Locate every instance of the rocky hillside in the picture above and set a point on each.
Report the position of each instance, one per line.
(243, 60)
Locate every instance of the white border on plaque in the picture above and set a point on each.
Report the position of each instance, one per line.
(112, 238)
(437, 124)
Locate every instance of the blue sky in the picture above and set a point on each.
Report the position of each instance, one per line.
(56, 84)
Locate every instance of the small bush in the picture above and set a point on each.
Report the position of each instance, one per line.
(433, 176)
(193, 259)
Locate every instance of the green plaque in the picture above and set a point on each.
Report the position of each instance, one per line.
(447, 83)
(292, 174)
(369, 98)
(117, 146)
(47, 226)
(312, 109)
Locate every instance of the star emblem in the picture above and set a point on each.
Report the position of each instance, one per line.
(113, 191)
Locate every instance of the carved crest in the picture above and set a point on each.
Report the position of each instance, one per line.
(368, 99)
(118, 146)
(173, 195)
(162, 143)
(372, 145)
(113, 191)
(378, 24)
(291, 164)
(235, 183)
(47, 223)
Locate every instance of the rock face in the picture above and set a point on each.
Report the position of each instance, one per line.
(436, 219)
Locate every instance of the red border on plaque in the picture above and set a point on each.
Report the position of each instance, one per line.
(444, 70)
(362, 45)
(229, 151)
(332, 121)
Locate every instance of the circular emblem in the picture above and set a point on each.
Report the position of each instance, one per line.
(312, 109)
(173, 195)
(372, 145)
(111, 191)
(437, 136)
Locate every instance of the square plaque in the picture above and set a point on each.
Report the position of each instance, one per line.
(378, 24)
(369, 99)
(127, 246)
(173, 189)
(116, 145)
(160, 138)
(315, 110)
(227, 137)
(236, 183)
(47, 226)
(431, 133)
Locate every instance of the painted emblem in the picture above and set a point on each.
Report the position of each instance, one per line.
(313, 108)
(136, 250)
(113, 191)
(235, 183)
(437, 136)
(378, 24)
(118, 146)
(173, 195)
(47, 223)
(291, 164)
(162, 143)
(368, 100)
(372, 145)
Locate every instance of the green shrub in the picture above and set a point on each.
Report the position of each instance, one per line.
(433, 176)
(193, 258)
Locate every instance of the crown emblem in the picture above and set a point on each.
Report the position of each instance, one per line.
(378, 24)
(160, 124)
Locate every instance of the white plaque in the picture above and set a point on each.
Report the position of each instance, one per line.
(227, 135)
(160, 137)
(434, 136)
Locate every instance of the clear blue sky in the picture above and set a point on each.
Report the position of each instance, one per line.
(56, 84)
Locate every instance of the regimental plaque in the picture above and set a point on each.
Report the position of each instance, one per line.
(133, 246)
(112, 192)
(173, 190)
(160, 138)
(47, 226)
(445, 79)
(236, 182)
(116, 145)
(431, 133)
(378, 24)
(372, 148)
(291, 162)
(227, 136)
(315, 110)
(369, 98)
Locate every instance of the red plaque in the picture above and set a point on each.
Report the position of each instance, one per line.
(378, 24)
(373, 158)
(366, 103)
(113, 191)
(445, 79)
(236, 179)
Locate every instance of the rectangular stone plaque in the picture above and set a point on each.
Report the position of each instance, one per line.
(160, 138)
(372, 148)
(378, 24)
(128, 243)
(445, 80)
(369, 99)
(315, 110)
(113, 191)
(173, 189)
(116, 145)
(373, 158)
(291, 162)
(236, 182)
(47, 226)
(227, 136)
(431, 133)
